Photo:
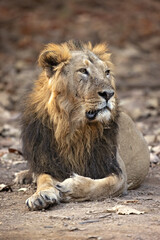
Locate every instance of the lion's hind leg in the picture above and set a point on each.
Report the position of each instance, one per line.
(23, 177)
(46, 194)
(79, 188)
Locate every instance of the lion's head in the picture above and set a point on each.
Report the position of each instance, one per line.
(80, 80)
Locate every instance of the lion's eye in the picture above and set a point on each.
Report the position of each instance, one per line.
(107, 72)
(84, 71)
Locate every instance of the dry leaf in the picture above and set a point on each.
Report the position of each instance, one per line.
(124, 210)
(14, 150)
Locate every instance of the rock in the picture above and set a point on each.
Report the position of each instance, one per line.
(152, 103)
(150, 139)
(157, 131)
(136, 113)
(154, 158)
(10, 131)
(5, 102)
(156, 150)
(22, 189)
(4, 113)
(20, 65)
(158, 138)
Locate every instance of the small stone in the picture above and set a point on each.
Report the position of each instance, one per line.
(22, 189)
(48, 227)
(156, 150)
(154, 158)
(158, 138)
(72, 229)
(4, 99)
(152, 103)
(150, 138)
(10, 131)
(157, 131)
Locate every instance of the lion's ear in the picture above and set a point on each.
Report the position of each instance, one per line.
(52, 56)
(48, 61)
(101, 50)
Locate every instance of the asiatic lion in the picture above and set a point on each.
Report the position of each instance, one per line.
(79, 144)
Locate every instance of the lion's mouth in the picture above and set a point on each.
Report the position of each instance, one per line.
(91, 115)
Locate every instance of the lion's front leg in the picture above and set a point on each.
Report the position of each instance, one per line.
(79, 188)
(45, 195)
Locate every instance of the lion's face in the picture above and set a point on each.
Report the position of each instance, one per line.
(83, 86)
(89, 84)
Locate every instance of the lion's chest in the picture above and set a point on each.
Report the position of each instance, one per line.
(97, 163)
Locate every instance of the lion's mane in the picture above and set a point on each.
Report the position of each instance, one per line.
(55, 144)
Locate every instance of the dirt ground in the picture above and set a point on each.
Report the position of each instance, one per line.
(132, 30)
(89, 220)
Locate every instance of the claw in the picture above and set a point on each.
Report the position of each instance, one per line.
(61, 189)
(58, 186)
(27, 203)
(47, 198)
(40, 202)
(37, 203)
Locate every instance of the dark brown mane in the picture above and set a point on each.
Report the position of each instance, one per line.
(41, 150)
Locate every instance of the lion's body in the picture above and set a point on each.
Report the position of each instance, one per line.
(133, 150)
(71, 123)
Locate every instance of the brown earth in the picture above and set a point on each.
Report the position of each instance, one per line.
(89, 220)
(132, 30)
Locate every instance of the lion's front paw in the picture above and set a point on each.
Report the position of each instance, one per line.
(42, 199)
(75, 188)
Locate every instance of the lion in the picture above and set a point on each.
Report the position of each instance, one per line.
(78, 142)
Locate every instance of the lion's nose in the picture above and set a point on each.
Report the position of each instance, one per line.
(106, 94)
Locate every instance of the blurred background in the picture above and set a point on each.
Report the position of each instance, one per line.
(130, 27)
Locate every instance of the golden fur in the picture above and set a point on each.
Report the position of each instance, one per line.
(70, 125)
(61, 111)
